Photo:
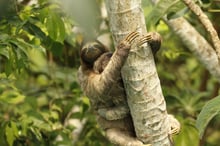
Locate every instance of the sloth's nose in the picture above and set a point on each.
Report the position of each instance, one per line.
(90, 49)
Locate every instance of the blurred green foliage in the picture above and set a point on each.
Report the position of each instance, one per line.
(40, 99)
(39, 94)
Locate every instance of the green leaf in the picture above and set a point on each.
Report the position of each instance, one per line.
(12, 97)
(180, 13)
(56, 48)
(188, 135)
(34, 30)
(4, 37)
(10, 136)
(8, 66)
(209, 111)
(19, 45)
(55, 27)
(4, 51)
(11, 133)
(56, 108)
(3, 140)
(162, 8)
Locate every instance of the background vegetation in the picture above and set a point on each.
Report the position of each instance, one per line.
(41, 102)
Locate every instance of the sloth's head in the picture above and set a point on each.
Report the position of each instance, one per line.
(91, 51)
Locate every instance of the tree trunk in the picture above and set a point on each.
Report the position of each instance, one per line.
(144, 94)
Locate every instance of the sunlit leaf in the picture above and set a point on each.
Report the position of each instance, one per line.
(188, 135)
(38, 59)
(11, 132)
(162, 8)
(36, 132)
(35, 30)
(20, 45)
(55, 27)
(24, 127)
(10, 136)
(56, 108)
(4, 51)
(12, 97)
(209, 111)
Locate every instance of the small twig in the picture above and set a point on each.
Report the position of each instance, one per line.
(206, 23)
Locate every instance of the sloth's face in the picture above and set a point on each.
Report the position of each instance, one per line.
(91, 51)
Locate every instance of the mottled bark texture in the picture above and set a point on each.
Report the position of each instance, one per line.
(206, 23)
(144, 95)
(197, 44)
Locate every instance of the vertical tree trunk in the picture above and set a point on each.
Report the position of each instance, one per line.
(144, 95)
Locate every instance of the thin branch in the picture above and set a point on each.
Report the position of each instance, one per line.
(206, 23)
(197, 44)
(203, 51)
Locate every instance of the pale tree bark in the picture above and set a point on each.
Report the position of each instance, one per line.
(206, 23)
(144, 94)
(197, 44)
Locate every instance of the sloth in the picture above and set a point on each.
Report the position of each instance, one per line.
(100, 79)
(117, 91)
